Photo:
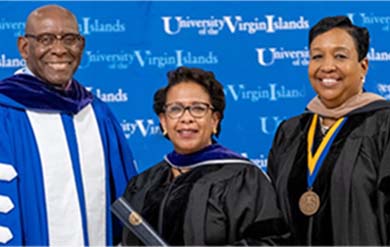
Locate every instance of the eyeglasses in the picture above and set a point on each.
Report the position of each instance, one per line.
(197, 110)
(48, 39)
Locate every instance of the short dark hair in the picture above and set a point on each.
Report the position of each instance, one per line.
(206, 79)
(360, 35)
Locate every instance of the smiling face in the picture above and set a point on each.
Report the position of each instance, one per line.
(334, 70)
(55, 63)
(187, 133)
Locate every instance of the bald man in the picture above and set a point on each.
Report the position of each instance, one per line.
(63, 156)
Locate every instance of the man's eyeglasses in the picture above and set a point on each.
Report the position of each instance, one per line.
(47, 39)
(197, 110)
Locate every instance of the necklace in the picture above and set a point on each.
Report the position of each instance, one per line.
(324, 128)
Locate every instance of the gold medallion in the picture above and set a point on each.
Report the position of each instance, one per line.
(135, 219)
(309, 203)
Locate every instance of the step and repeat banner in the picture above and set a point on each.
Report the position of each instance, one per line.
(258, 51)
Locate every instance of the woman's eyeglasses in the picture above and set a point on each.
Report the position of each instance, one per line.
(197, 110)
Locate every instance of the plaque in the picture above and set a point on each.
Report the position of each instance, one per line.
(309, 203)
(136, 224)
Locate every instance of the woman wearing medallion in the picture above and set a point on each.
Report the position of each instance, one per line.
(202, 193)
(330, 165)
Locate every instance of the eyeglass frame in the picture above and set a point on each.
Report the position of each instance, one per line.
(59, 37)
(185, 108)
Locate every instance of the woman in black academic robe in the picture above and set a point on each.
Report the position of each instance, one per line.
(202, 193)
(330, 164)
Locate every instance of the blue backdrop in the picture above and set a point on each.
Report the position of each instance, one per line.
(258, 50)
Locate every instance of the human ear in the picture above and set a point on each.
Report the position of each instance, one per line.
(22, 44)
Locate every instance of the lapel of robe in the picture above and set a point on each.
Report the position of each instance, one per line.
(288, 159)
(340, 191)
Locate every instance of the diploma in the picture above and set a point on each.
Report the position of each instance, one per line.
(135, 223)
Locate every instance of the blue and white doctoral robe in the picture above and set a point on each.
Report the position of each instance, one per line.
(63, 161)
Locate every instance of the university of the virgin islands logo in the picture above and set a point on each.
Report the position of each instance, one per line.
(212, 25)
(11, 62)
(143, 127)
(269, 92)
(268, 56)
(89, 25)
(15, 27)
(371, 19)
(147, 58)
(374, 55)
(120, 95)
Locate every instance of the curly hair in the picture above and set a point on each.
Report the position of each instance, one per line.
(360, 35)
(206, 79)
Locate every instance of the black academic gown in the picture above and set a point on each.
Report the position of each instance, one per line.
(216, 204)
(353, 182)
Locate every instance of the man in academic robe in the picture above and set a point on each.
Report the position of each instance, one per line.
(63, 156)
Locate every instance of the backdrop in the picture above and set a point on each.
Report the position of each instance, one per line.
(258, 51)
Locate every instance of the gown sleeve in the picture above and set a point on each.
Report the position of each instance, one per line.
(384, 192)
(252, 210)
(10, 211)
(242, 210)
(275, 150)
(119, 158)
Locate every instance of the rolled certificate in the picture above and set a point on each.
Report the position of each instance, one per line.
(135, 223)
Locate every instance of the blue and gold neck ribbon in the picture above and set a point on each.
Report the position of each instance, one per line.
(314, 163)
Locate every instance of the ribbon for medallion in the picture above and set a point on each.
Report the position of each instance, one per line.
(309, 202)
(314, 163)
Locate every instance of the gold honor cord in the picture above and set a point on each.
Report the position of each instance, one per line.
(309, 202)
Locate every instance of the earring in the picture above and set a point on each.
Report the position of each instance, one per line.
(165, 132)
(363, 79)
(215, 131)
